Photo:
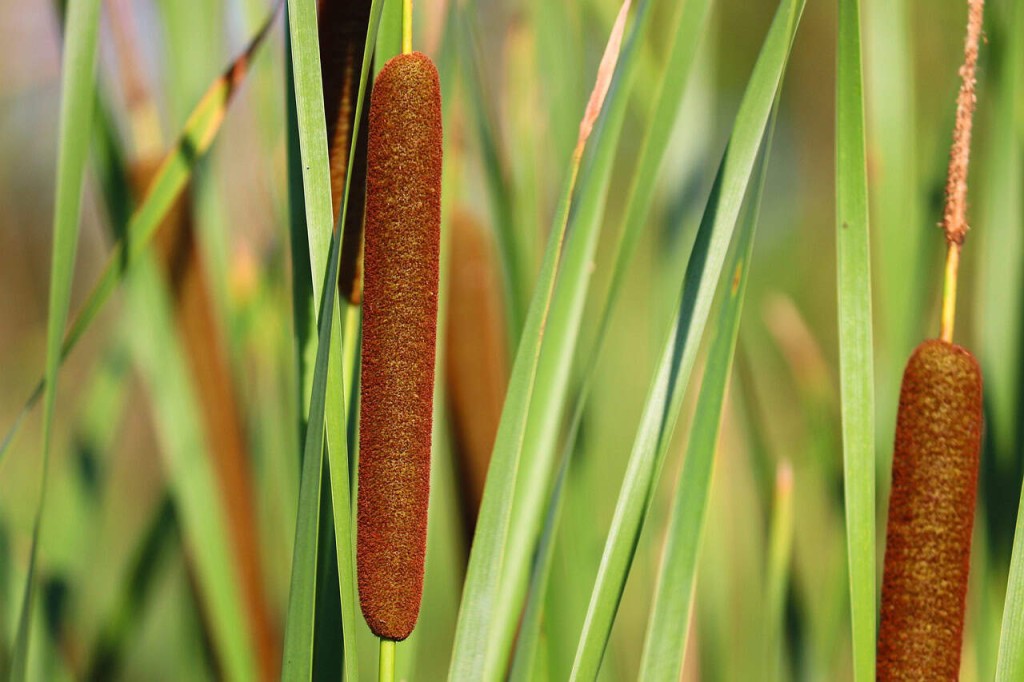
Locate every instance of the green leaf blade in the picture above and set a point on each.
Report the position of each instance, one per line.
(856, 360)
(664, 399)
(76, 110)
(482, 590)
(663, 655)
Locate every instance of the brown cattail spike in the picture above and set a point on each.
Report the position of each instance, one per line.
(342, 28)
(403, 217)
(476, 358)
(931, 514)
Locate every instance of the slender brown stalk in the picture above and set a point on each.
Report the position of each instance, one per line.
(476, 358)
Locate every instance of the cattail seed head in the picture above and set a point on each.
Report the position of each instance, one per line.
(931, 515)
(476, 357)
(402, 243)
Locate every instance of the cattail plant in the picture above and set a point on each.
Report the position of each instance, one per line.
(935, 463)
(342, 29)
(402, 243)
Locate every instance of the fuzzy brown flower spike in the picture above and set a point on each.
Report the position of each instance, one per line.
(931, 514)
(403, 218)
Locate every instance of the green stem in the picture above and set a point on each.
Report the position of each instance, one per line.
(386, 667)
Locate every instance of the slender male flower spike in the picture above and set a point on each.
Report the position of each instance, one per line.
(402, 243)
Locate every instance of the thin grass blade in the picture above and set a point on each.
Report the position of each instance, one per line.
(557, 352)
(316, 198)
(668, 628)
(1010, 664)
(78, 89)
(312, 125)
(690, 20)
(856, 360)
(482, 586)
(337, 414)
(135, 594)
(299, 628)
(193, 483)
(677, 358)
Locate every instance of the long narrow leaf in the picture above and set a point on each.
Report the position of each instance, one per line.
(193, 482)
(77, 107)
(555, 362)
(691, 18)
(482, 586)
(312, 124)
(337, 420)
(668, 629)
(298, 640)
(311, 129)
(1004, 320)
(1010, 664)
(856, 361)
(663, 402)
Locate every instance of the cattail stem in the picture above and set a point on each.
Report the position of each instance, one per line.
(949, 292)
(406, 26)
(386, 661)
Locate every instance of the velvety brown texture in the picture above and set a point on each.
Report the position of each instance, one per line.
(403, 219)
(476, 357)
(931, 514)
(342, 28)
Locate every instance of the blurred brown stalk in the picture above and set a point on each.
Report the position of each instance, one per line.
(476, 357)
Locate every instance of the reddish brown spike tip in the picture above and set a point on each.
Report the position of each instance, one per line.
(931, 515)
(402, 244)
